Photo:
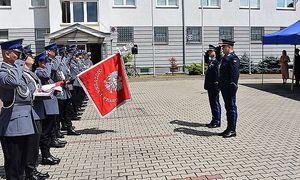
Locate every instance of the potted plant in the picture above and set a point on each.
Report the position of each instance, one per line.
(174, 65)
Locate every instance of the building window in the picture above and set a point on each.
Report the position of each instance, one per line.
(65, 7)
(171, 3)
(3, 34)
(125, 34)
(285, 4)
(226, 33)
(193, 34)
(161, 35)
(82, 11)
(210, 3)
(257, 33)
(38, 3)
(5, 2)
(40, 33)
(92, 14)
(124, 2)
(78, 12)
(253, 3)
(281, 28)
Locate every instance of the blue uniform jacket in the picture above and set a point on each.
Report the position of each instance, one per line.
(229, 72)
(51, 105)
(38, 105)
(212, 75)
(16, 114)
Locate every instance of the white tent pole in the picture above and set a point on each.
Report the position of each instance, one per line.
(293, 74)
(262, 55)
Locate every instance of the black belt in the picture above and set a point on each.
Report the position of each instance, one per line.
(22, 103)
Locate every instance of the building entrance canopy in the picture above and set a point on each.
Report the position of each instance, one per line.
(77, 33)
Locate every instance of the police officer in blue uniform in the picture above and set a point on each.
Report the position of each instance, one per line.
(64, 100)
(56, 75)
(16, 120)
(211, 85)
(51, 108)
(228, 84)
(38, 112)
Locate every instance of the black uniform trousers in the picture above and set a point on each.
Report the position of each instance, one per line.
(65, 109)
(33, 149)
(213, 96)
(15, 156)
(46, 136)
(231, 108)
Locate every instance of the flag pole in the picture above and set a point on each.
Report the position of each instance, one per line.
(249, 4)
(153, 47)
(202, 38)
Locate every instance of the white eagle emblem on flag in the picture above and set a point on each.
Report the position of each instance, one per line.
(113, 82)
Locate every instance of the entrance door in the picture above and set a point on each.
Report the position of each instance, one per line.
(95, 49)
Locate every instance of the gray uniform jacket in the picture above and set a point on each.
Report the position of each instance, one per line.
(76, 67)
(38, 105)
(16, 114)
(64, 69)
(51, 105)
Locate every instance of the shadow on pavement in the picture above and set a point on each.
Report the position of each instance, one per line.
(185, 123)
(195, 132)
(94, 131)
(278, 89)
(2, 172)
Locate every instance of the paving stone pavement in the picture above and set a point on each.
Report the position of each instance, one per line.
(160, 135)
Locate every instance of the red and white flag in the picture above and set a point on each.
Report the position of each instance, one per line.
(106, 85)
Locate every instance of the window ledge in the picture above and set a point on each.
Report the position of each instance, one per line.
(160, 43)
(256, 42)
(286, 9)
(210, 7)
(3, 40)
(37, 7)
(254, 8)
(167, 7)
(124, 6)
(83, 23)
(193, 43)
(5, 7)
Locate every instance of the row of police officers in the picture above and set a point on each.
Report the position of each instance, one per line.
(29, 121)
(222, 75)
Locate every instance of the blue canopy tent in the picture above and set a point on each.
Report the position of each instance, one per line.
(289, 35)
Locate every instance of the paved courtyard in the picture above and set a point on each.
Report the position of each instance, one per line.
(160, 135)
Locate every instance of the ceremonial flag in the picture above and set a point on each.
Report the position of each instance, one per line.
(106, 85)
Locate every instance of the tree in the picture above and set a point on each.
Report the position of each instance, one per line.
(244, 65)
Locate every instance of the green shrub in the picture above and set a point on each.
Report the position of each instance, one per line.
(195, 69)
(269, 65)
(128, 57)
(244, 65)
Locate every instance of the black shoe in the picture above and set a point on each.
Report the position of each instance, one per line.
(224, 132)
(212, 125)
(80, 110)
(72, 132)
(56, 144)
(49, 161)
(60, 141)
(76, 118)
(229, 134)
(55, 158)
(34, 177)
(41, 175)
(64, 128)
(59, 134)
